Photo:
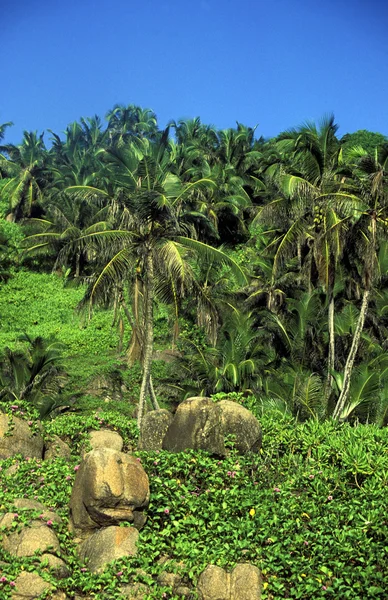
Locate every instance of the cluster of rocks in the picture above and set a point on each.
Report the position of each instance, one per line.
(111, 489)
(201, 424)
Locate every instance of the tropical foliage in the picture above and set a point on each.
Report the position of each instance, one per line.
(267, 255)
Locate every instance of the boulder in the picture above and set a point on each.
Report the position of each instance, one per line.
(108, 544)
(22, 504)
(183, 591)
(169, 579)
(242, 424)
(37, 537)
(154, 428)
(134, 591)
(246, 582)
(29, 586)
(243, 583)
(105, 438)
(17, 437)
(56, 565)
(110, 487)
(197, 425)
(56, 448)
(214, 584)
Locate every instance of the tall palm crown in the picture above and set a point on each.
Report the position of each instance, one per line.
(152, 241)
(26, 167)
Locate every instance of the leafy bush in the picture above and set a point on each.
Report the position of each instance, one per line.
(309, 510)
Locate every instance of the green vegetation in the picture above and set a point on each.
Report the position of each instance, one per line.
(139, 265)
(309, 510)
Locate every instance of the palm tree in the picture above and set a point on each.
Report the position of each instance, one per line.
(3, 127)
(26, 170)
(235, 364)
(371, 173)
(33, 375)
(309, 218)
(69, 217)
(152, 241)
(126, 122)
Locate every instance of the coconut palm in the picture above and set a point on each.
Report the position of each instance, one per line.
(235, 364)
(68, 218)
(152, 242)
(3, 128)
(371, 174)
(127, 122)
(25, 166)
(315, 205)
(33, 374)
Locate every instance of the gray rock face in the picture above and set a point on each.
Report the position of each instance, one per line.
(201, 424)
(108, 544)
(56, 565)
(106, 438)
(242, 424)
(29, 586)
(56, 448)
(109, 487)
(134, 591)
(197, 425)
(37, 537)
(154, 428)
(18, 438)
(243, 583)
(214, 584)
(246, 583)
(23, 504)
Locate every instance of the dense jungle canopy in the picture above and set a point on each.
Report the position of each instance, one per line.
(267, 258)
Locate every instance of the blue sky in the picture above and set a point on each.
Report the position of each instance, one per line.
(275, 63)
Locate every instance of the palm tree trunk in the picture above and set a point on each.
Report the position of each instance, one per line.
(154, 401)
(136, 343)
(77, 264)
(331, 353)
(148, 336)
(351, 356)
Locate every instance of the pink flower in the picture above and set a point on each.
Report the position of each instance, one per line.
(68, 477)
(29, 422)
(12, 583)
(330, 498)
(3, 579)
(41, 516)
(166, 511)
(276, 489)
(49, 522)
(311, 476)
(138, 459)
(15, 515)
(119, 573)
(83, 570)
(14, 406)
(306, 543)
(324, 587)
(76, 467)
(229, 473)
(156, 462)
